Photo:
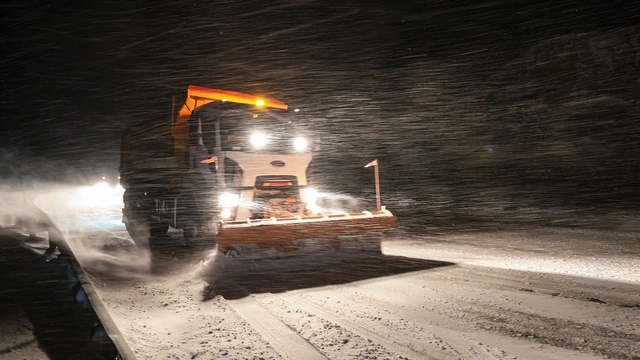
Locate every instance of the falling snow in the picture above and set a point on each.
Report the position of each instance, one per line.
(507, 136)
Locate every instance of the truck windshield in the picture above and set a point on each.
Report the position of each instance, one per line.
(248, 128)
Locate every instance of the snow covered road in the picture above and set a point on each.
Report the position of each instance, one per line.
(537, 294)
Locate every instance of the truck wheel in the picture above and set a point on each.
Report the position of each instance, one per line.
(147, 233)
(198, 237)
(158, 228)
(139, 232)
(191, 236)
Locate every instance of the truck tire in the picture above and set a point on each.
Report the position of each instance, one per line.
(139, 232)
(158, 229)
(192, 236)
(147, 233)
(199, 237)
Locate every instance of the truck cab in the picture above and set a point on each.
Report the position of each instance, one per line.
(231, 168)
(223, 157)
(259, 158)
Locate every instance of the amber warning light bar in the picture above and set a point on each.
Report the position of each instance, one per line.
(277, 183)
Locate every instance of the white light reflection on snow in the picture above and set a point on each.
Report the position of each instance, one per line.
(86, 207)
(332, 203)
(98, 196)
(574, 252)
(90, 220)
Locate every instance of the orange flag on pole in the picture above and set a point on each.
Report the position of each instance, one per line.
(209, 160)
(373, 163)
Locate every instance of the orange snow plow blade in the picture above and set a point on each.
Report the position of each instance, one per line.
(291, 234)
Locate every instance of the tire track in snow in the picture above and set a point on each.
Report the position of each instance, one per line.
(449, 344)
(284, 340)
(444, 308)
(389, 342)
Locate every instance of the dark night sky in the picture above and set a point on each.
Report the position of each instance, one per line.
(448, 94)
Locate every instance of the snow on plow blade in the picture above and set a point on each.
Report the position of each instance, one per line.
(291, 236)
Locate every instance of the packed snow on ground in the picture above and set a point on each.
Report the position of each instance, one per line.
(535, 293)
(545, 293)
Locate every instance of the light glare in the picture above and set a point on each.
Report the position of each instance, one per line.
(310, 196)
(225, 214)
(300, 144)
(228, 200)
(258, 140)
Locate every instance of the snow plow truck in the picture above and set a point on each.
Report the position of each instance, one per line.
(230, 169)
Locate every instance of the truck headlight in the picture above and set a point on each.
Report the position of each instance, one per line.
(310, 196)
(300, 144)
(258, 140)
(226, 214)
(228, 200)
